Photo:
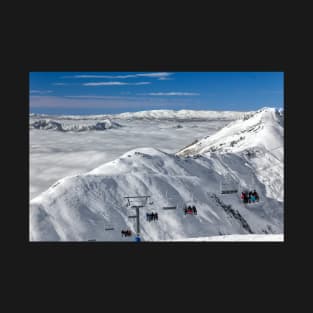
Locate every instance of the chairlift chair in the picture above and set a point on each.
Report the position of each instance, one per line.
(228, 186)
(246, 190)
(108, 226)
(169, 207)
(190, 204)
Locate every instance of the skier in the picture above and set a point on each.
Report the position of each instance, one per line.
(257, 198)
(194, 210)
(244, 197)
(156, 216)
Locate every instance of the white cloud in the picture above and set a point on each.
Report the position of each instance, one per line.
(41, 91)
(94, 97)
(101, 76)
(173, 93)
(157, 75)
(59, 84)
(114, 83)
(141, 83)
(160, 76)
(165, 78)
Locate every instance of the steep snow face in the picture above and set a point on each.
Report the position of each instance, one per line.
(48, 124)
(262, 128)
(79, 208)
(259, 138)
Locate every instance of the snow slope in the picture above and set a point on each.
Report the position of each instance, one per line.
(259, 138)
(261, 128)
(228, 238)
(79, 208)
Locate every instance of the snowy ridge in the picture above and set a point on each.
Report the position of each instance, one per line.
(152, 115)
(48, 124)
(261, 128)
(259, 138)
(78, 208)
(182, 115)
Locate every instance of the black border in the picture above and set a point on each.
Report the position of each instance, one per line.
(172, 56)
(52, 37)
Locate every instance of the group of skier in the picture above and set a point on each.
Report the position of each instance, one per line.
(126, 233)
(250, 197)
(152, 216)
(190, 210)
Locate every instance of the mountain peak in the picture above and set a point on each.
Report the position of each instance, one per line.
(262, 128)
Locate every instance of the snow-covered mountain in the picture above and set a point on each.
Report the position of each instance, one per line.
(48, 124)
(263, 128)
(258, 137)
(79, 208)
(181, 115)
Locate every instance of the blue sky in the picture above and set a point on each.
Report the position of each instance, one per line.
(116, 92)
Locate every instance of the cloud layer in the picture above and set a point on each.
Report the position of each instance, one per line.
(114, 83)
(40, 92)
(172, 93)
(160, 76)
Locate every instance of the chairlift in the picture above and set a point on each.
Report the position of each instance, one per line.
(126, 233)
(228, 186)
(108, 226)
(189, 207)
(136, 201)
(190, 210)
(251, 203)
(169, 207)
(151, 216)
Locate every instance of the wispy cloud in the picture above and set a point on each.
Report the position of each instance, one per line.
(40, 92)
(173, 93)
(114, 83)
(60, 84)
(94, 97)
(101, 76)
(158, 75)
(165, 78)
